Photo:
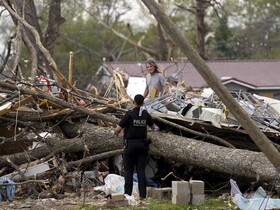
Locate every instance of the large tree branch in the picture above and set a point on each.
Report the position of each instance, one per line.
(54, 22)
(35, 34)
(27, 10)
(94, 140)
(18, 49)
(215, 138)
(39, 93)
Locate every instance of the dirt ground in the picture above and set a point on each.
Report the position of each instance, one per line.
(50, 203)
(70, 202)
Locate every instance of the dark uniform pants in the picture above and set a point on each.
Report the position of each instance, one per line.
(135, 155)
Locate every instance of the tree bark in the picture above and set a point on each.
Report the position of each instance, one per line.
(36, 35)
(95, 139)
(54, 22)
(27, 11)
(201, 27)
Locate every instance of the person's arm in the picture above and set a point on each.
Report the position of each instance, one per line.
(165, 89)
(118, 129)
(164, 84)
(151, 122)
(122, 124)
(146, 92)
(152, 127)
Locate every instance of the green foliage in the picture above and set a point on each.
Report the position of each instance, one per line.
(250, 31)
(222, 38)
(210, 204)
(228, 44)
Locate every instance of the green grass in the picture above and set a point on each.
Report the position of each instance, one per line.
(210, 204)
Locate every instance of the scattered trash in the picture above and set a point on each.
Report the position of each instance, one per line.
(115, 184)
(259, 200)
(131, 200)
(7, 192)
(209, 108)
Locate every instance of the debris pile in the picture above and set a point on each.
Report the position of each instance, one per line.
(211, 109)
(59, 139)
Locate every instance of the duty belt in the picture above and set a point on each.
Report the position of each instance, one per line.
(136, 140)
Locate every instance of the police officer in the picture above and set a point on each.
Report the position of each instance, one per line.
(136, 146)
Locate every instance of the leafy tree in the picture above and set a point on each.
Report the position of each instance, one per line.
(252, 30)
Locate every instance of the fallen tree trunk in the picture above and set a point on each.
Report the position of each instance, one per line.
(95, 139)
(237, 162)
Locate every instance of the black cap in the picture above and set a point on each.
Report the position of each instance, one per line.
(139, 99)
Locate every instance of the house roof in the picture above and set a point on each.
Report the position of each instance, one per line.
(254, 74)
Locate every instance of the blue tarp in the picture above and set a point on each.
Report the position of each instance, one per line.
(258, 201)
(8, 190)
(150, 182)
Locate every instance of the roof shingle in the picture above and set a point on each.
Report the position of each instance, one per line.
(255, 73)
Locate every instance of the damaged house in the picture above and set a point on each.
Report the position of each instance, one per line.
(249, 76)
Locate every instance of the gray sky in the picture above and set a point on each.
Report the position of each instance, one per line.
(136, 16)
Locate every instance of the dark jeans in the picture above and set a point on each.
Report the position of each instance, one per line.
(135, 155)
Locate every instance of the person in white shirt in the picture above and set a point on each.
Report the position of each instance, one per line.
(156, 84)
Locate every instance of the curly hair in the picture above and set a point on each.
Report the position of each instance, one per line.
(152, 63)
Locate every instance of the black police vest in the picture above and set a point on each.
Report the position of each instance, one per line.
(137, 128)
